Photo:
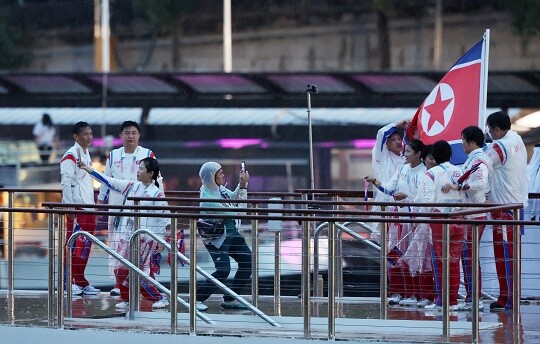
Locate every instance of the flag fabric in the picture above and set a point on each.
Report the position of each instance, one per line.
(458, 101)
(394, 255)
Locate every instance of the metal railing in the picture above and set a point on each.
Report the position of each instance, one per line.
(305, 215)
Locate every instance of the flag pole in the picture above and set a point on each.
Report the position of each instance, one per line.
(485, 68)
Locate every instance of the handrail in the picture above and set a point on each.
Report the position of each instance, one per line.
(306, 211)
(298, 192)
(124, 261)
(208, 276)
(168, 247)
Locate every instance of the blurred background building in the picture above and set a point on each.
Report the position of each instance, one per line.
(267, 35)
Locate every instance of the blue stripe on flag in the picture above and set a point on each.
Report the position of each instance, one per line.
(475, 53)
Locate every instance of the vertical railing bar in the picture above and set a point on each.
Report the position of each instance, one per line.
(446, 280)
(255, 259)
(174, 275)
(277, 273)
(475, 285)
(192, 276)
(50, 288)
(306, 300)
(10, 261)
(331, 281)
(384, 268)
(516, 276)
(60, 269)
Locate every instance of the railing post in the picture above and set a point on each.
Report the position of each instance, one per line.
(192, 276)
(338, 257)
(331, 281)
(68, 282)
(174, 275)
(316, 262)
(50, 291)
(475, 286)
(10, 261)
(64, 270)
(306, 300)
(445, 280)
(383, 267)
(516, 276)
(134, 279)
(255, 259)
(277, 273)
(60, 271)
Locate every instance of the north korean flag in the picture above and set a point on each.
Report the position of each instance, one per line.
(458, 101)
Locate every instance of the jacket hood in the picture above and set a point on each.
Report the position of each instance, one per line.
(208, 175)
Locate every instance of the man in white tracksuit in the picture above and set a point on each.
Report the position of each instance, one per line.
(122, 163)
(474, 188)
(508, 156)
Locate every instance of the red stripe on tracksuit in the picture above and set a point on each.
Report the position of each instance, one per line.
(457, 236)
(81, 248)
(503, 250)
(466, 259)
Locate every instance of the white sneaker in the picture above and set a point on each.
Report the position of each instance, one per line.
(115, 292)
(423, 303)
(90, 290)
(467, 306)
(201, 307)
(394, 299)
(409, 302)
(434, 306)
(162, 303)
(122, 305)
(76, 290)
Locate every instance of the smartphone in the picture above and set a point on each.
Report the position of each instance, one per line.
(243, 166)
(78, 154)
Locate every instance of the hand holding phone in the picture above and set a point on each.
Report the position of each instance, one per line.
(243, 166)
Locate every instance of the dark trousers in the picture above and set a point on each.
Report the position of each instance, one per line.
(234, 247)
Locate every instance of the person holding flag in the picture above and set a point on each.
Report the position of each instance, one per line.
(387, 158)
(77, 188)
(431, 192)
(474, 187)
(508, 157)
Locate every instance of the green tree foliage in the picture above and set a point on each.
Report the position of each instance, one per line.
(164, 14)
(525, 16)
(12, 55)
(167, 16)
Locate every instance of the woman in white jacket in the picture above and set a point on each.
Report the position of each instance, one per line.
(231, 244)
(150, 256)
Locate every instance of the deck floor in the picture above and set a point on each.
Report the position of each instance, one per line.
(358, 319)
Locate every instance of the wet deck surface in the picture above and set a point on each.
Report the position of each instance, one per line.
(358, 319)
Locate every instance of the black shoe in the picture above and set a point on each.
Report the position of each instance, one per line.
(496, 307)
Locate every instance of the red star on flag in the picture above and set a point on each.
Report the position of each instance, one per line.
(436, 110)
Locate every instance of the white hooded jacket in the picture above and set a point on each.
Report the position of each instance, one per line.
(210, 189)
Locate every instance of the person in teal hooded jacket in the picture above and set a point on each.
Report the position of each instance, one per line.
(231, 244)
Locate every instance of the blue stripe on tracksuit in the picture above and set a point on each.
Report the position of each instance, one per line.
(436, 275)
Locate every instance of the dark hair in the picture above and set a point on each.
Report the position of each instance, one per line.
(152, 165)
(80, 126)
(417, 146)
(473, 134)
(442, 152)
(127, 124)
(499, 120)
(428, 150)
(46, 120)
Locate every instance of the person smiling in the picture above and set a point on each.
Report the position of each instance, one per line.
(146, 186)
